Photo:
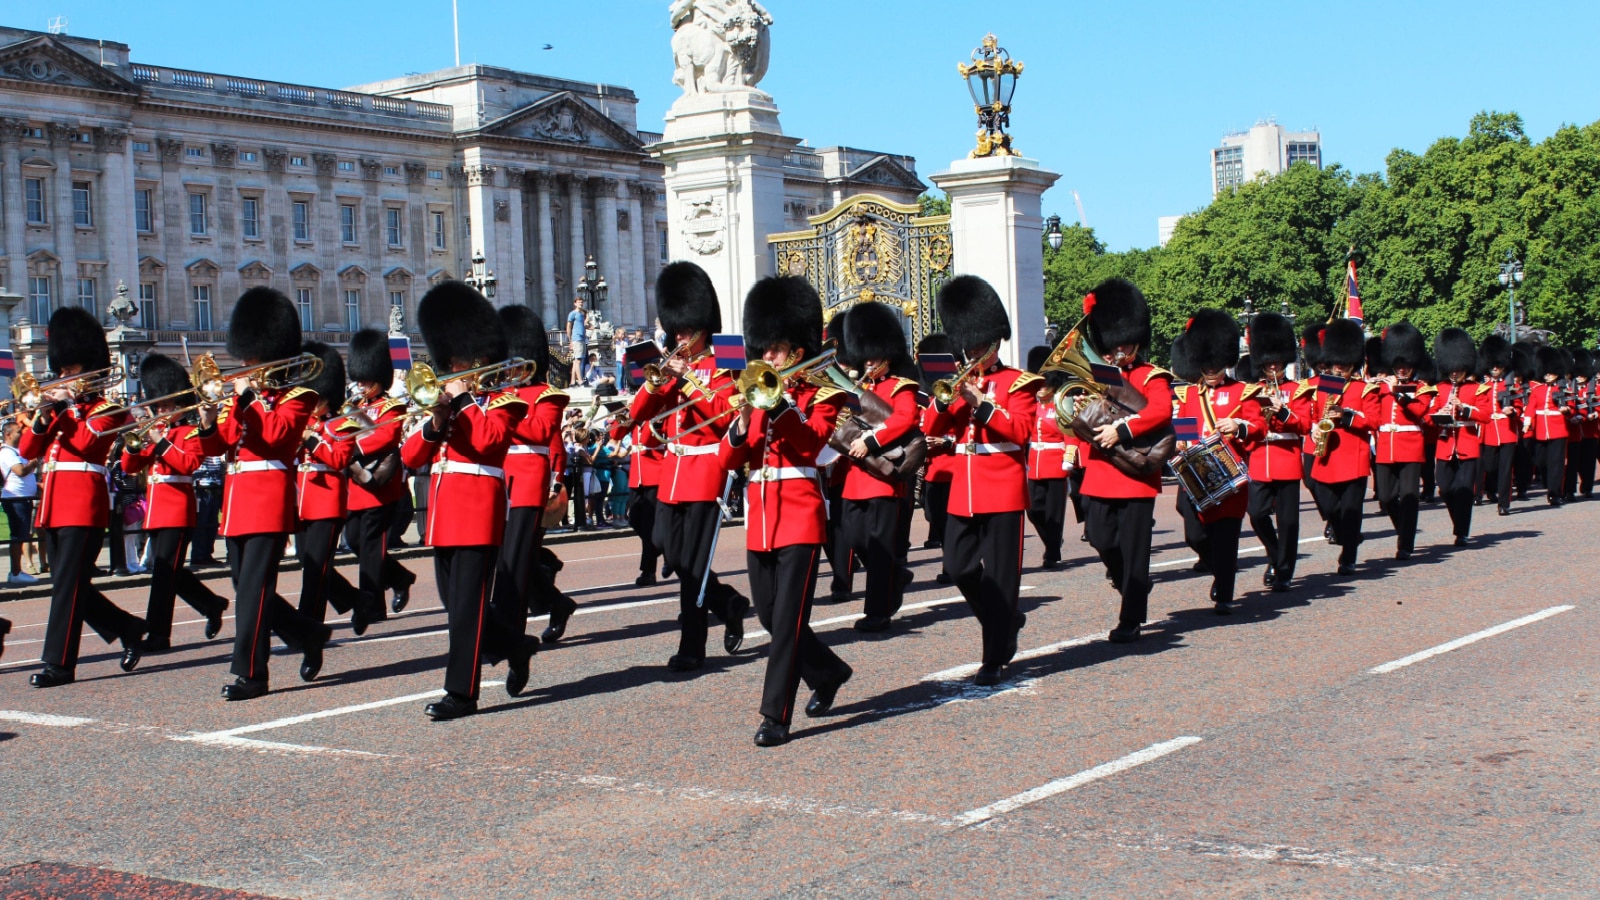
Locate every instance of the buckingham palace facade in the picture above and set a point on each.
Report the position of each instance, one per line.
(190, 187)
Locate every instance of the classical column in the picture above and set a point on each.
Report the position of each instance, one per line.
(542, 182)
(575, 222)
(480, 212)
(174, 216)
(636, 230)
(117, 228)
(515, 240)
(66, 239)
(11, 131)
(610, 264)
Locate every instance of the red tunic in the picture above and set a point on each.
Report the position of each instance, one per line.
(1543, 418)
(1229, 400)
(389, 415)
(1398, 430)
(1275, 453)
(862, 484)
(783, 501)
(260, 432)
(1349, 453)
(74, 447)
(941, 447)
(172, 455)
(690, 472)
(1100, 477)
(644, 466)
(1503, 418)
(1462, 441)
(991, 472)
(320, 471)
(467, 491)
(1047, 453)
(528, 457)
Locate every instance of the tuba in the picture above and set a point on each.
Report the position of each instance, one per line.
(1084, 404)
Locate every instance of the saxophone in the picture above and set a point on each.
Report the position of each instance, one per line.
(1322, 433)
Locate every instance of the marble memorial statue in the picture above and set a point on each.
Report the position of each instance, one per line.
(720, 46)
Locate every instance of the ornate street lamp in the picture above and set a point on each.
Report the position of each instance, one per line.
(593, 285)
(1510, 277)
(1052, 232)
(991, 80)
(1285, 311)
(482, 278)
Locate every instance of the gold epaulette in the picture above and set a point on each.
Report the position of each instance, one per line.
(100, 407)
(347, 424)
(1158, 372)
(1250, 390)
(1182, 392)
(1025, 381)
(194, 432)
(824, 394)
(901, 384)
(1306, 387)
(1427, 389)
(296, 392)
(553, 393)
(505, 399)
(389, 404)
(1369, 387)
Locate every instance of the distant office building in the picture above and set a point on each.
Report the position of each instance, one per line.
(1266, 148)
(1165, 226)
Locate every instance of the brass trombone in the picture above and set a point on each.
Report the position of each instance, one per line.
(293, 371)
(425, 386)
(761, 385)
(29, 391)
(944, 390)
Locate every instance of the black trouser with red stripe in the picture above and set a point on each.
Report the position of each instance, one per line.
(685, 532)
(642, 518)
(1120, 531)
(783, 585)
(320, 583)
(514, 579)
(1550, 458)
(1047, 510)
(935, 506)
(983, 554)
(1216, 542)
(1278, 500)
(1495, 465)
(74, 599)
(1399, 488)
(463, 575)
(171, 578)
(1342, 502)
(368, 535)
(871, 530)
(1455, 479)
(258, 610)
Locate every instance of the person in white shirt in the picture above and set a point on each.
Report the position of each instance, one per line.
(17, 497)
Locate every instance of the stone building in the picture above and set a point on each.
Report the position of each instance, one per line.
(191, 187)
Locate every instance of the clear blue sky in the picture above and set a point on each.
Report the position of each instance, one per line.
(1125, 99)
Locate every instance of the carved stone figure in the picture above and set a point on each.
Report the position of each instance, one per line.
(719, 45)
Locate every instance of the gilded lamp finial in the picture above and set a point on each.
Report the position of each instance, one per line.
(992, 79)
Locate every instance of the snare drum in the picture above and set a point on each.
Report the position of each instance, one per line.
(1210, 472)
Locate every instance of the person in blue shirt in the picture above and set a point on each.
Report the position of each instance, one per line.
(578, 338)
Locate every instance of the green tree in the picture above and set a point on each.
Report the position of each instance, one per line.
(934, 203)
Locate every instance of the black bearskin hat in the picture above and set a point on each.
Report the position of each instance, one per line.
(1118, 314)
(1036, 357)
(686, 300)
(526, 337)
(1428, 372)
(370, 360)
(1311, 345)
(264, 327)
(1522, 359)
(784, 310)
(1343, 344)
(1494, 354)
(1583, 363)
(1184, 364)
(1546, 362)
(1403, 347)
(76, 338)
(329, 383)
(1454, 351)
(161, 375)
(1271, 339)
(972, 313)
(873, 331)
(1374, 357)
(1245, 370)
(1213, 340)
(1566, 362)
(460, 327)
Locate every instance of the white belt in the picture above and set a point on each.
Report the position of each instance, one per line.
(695, 450)
(171, 479)
(1499, 416)
(1048, 445)
(317, 467)
(518, 449)
(639, 448)
(1394, 428)
(451, 467)
(782, 473)
(256, 465)
(1551, 412)
(971, 449)
(74, 467)
(1275, 436)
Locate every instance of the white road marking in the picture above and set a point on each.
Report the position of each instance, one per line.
(1062, 785)
(212, 736)
(240, 743)
(851, 617)
(28, 718)
(1469, 639)
(970, 669)
(1242, 551)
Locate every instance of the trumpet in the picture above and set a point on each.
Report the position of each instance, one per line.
(29, 391)
(760, 385)
(944, 390)
(425, 387)
(656, 372)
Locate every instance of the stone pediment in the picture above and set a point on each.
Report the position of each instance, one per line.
(202, 268)
(305, 272)
(255, 270)
(885, 171)
(563, 118)
(398, 274)
(45, 62)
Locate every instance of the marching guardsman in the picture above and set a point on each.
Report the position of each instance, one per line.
(785, 522)
(1342, 455)
(1226, 407)
(1403, 406)
(941, 451)
(874, 504)
(1545, 423)
(1581, 427)
(694, 484)
(1118, 508)
(528, 478)
(1047, 469)
(68, 432)
(644, 479)
(464, 442)
(1311, 364)
(1589, 400)
(377, 480)
(1498, 450)
(170, 449)
(991, 411)
(1274, 457)
(1524, 368)
(1467, 406)
(260, 428)
(322, 489)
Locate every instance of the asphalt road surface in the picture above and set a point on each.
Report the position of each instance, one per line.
(1425, 729)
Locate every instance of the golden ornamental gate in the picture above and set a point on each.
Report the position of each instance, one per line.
(870, 248)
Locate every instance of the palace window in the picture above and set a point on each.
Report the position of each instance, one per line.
(435, 174)
(438, 231)
(38, 209)
(391, 170)
(247, 156)
(346, 165)
(302, 302)
(663, 255)
(299, 161)
(250, 217)
(82, 204)
(197, 214)
(392, 225)
(302, 220)
(398, 299)
(352, 310)
(142, 218)
(347, 224)
(195, 152)
(141, 146)
(86, 295)
(39, 298)
(147, 304)
(202, 307)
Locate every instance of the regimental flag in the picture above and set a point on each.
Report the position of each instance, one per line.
(729, 351)
(400, 352)
(1110, 376)
(1186, 428)
(637, 355)
(937, 365)
(1331, 384)
(8, 364)
(1352, 306)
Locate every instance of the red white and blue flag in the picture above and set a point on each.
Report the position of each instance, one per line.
(728, 350)
(400, 352)
(1352, 306)
(8, 364)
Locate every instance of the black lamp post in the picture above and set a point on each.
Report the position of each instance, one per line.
(1052, 232)
(1510, 277)
(593, 285)
(482, 277)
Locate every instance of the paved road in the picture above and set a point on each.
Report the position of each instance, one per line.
(1273, 752)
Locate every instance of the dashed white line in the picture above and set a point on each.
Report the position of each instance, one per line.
(212, 736)
(970, 669)
(45, 719)
(1469, 639)
(1062, 785)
